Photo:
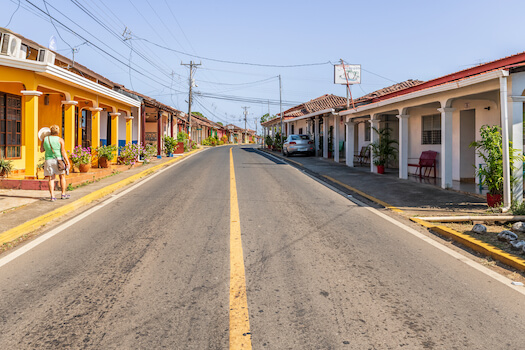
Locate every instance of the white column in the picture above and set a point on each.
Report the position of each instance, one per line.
(316, 136)
(505, 139)
(349, 143)
(446, 146)
(325, 137)
(288, 127)
(516, 110)
(336, 138)
(374, 137)
(403, 146)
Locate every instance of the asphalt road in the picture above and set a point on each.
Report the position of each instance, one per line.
(151, 270)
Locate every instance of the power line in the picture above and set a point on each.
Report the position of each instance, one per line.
(13, 14)
(249, 83)
(253, 100)
(97, 47)
(233, 62)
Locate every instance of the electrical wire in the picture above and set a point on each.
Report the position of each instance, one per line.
(73, 32)
(253, 100)
(233, 62)
(56, 29)
(98, 47)
(249, 83)
(13, 14)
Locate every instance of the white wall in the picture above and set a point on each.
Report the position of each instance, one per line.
(104, 125)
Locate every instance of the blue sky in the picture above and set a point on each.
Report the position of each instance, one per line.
(392, 40)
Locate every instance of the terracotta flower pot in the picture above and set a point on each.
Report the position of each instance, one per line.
(84, 168)
(494, 200)
(103, 162)
(380, 169)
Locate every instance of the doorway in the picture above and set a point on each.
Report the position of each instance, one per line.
(467, 155)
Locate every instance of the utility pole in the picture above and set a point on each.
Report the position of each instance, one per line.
(245, 117)
(190, 98)
(281, 112)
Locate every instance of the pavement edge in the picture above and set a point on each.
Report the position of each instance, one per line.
(33, 224)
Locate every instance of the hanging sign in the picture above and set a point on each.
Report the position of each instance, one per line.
(353, 74)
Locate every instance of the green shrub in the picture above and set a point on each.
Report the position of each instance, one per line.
(107, 151)
(170, 144)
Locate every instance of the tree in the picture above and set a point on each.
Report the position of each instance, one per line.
(199, 114)
(220, 123)
(266, 117)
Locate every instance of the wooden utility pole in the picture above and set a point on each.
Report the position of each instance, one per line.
(190, 98)
(245, 116)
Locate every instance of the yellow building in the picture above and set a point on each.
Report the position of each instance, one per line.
(40, 88)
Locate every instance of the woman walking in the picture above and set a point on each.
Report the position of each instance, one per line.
(55, 150)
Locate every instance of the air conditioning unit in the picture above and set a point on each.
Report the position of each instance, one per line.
(46, 56)
(10, 45)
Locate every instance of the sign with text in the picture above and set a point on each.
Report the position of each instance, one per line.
(353, 74)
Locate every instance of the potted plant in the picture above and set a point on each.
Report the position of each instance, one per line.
(6, 167)
(182, 143)
(170, 144)
(40, 166)
(277, 142)
(330, 142)
(269, 141)
(130, 154)
(105, 155)
(490, 150)
(383, 149)
(81, 157)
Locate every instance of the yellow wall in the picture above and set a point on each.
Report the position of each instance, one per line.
(14, 80)
(50, 114)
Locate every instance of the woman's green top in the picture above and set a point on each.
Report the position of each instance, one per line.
(52, 147)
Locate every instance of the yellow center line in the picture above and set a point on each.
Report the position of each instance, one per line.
(240, 336)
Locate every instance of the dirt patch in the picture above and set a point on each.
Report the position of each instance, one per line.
(491, 238)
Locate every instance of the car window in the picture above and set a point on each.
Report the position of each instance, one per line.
(305, 137)
(294, 137)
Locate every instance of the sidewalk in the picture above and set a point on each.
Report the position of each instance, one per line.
(412, 199)
(24, 211)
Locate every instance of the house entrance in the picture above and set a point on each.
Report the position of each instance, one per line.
(467, 155)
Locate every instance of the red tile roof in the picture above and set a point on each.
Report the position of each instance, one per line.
(502, 63)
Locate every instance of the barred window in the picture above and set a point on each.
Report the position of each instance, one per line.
(431, 129)
(10, 126)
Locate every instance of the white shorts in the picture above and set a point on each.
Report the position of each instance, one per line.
(51, 168)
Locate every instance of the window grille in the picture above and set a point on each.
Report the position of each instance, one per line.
(10, 126)
(431, 129)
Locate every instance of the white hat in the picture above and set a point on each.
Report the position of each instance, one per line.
(42, 133)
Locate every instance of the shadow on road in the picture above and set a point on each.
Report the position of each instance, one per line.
(262, 154)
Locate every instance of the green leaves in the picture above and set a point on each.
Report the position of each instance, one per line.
(383, 149)
(490, 150)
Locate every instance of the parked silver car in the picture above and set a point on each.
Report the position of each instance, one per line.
(298, 144)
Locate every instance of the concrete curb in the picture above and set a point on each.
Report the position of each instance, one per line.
(466, 240)
(475, 244)
(34, 224)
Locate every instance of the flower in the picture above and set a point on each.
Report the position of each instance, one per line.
(80, 155)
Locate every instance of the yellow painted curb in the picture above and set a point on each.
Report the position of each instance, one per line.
(361, 193)
(31, 225)
(476, 245)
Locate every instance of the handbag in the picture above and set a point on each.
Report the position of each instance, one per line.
(61, 164)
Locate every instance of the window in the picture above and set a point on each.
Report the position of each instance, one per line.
(431, 129)
(10, 126)
(292, 129)
(368, 131)
(300, 130)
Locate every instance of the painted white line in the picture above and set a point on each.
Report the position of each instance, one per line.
(485, 270)
(41, 239)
